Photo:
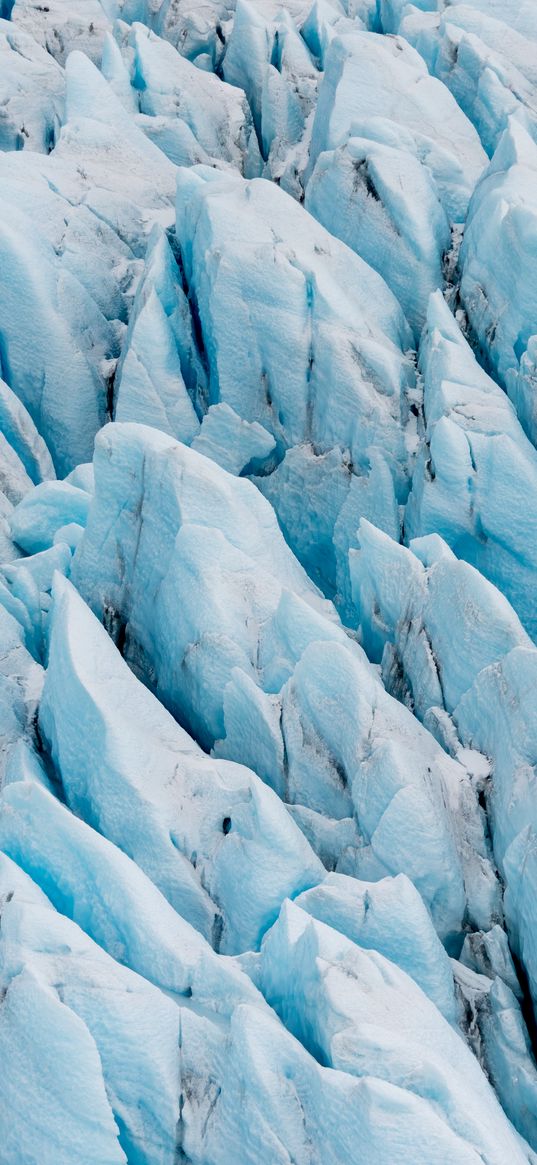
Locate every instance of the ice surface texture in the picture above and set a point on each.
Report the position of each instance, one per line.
(268, 553)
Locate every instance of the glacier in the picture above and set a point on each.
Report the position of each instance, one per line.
(268, 557)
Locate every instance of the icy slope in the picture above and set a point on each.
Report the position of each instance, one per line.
(268, 553)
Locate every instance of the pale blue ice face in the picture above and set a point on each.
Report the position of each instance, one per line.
(268, 551)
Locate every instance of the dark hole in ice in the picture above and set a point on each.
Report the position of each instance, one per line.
(364, 176)
(226, 825)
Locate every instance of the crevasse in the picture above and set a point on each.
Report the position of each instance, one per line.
(268, 551)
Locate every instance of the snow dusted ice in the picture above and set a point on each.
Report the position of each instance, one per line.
(268, 565)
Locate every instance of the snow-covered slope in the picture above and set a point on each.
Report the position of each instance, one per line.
(268, 562)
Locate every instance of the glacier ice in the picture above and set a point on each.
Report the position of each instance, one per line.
(463, 654)
(267, 57)
(14, 480)
(60, 27)
(91, 881)
(154, 379)
(485, 64)
(390, 917)
(88, 218)
(47, 508)
(64, 1114)
(149, 386)
(496, 263)
(474, 463)
(264, 649)
(32, 90)
(518, 15)
(191, 114)
(328, 992)
(310, 320)
(19, 431)
(286, 1098)
(21, 678)
(488, 954)
(267, 564)
(235, 825)
(131, 1026)
(383, 202)
(325, 20)
(28, 583)
(498, 1036)
(370, 78)
(237, 445)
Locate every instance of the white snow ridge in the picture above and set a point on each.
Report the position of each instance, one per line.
(268, 582)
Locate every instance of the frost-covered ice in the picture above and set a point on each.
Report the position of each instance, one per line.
(268, 481)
